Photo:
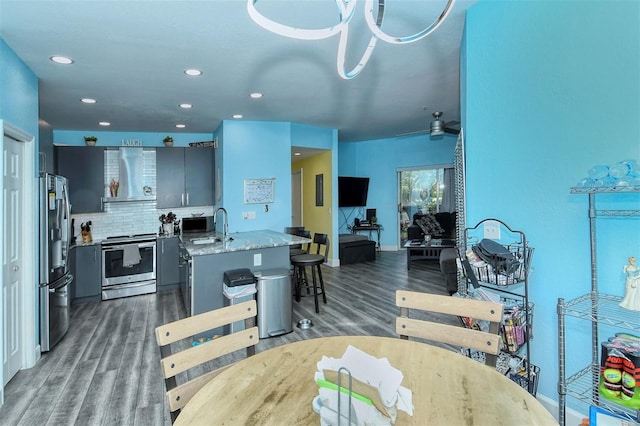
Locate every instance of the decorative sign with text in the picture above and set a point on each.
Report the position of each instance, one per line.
(131, 142)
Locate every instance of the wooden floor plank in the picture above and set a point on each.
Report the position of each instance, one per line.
(106, 371)
(96, 400)
(67, 409)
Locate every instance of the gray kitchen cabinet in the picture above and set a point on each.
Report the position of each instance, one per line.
(168, 262)
(199, 176)
(184, 177)
(84, 167)
(88, 272)
(72, 271)
(207, 274)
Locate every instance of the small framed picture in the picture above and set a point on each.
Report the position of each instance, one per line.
(319, 190)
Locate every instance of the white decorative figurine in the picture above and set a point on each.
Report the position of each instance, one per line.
(631, 298)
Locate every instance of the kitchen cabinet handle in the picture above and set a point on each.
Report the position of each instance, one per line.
(101, 204)
(187, 198)
(182, 199)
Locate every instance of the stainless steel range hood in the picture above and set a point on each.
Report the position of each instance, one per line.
(131, 175)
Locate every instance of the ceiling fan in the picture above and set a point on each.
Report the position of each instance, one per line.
(440, 127)
(437, 128)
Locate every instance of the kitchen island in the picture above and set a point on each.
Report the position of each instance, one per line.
(211, 257)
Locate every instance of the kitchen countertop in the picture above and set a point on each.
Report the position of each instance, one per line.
(240, 241)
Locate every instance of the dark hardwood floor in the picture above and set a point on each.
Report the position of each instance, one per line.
(106, 371)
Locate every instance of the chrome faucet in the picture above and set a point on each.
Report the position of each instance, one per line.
(225, 225)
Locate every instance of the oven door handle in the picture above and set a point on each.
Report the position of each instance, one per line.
(122, 246)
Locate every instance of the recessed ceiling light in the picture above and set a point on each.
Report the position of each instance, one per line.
(61, 60)
(104, 123)
(296, 153)
(193, 72)
(181, 126)
(88, 100)
(237, 115)
(256, 95)
(186, 106)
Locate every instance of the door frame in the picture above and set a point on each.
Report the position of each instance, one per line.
(297, 197)
(29, 274)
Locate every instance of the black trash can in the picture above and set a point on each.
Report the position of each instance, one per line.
(238, 287)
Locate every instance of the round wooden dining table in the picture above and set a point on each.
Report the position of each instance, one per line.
(276, 387)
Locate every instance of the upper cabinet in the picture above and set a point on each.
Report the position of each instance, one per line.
(84, 167)
(184, 177)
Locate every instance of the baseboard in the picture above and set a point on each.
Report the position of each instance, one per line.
(572, 417)
(37, 354)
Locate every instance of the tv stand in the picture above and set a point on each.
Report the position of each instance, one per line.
(370, 228)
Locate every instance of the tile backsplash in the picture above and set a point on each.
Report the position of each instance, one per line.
(131, 217)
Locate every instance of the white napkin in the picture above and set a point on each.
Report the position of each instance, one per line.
(377, 372)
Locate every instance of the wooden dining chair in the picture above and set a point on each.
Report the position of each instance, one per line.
(487, 342)
(181, 361)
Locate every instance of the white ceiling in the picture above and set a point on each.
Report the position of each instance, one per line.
(130, 56)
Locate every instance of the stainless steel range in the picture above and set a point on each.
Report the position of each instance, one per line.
(128, 265)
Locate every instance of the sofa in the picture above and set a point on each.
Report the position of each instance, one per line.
(449, 267)
(440, 225)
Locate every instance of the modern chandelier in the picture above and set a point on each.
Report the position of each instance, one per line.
(346, 10)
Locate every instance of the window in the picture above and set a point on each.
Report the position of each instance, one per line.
(429, 190)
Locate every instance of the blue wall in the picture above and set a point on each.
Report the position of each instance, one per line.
(18, 92)
(19, 107)
(106, 138)
(380, 160)
(256, 150)
(313, 137)
(552, 88)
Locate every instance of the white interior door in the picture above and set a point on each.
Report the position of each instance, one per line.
(296, 198)
(13, 174)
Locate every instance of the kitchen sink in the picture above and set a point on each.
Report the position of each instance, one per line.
(206, 240)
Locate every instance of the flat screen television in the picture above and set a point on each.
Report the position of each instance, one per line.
(352, 191)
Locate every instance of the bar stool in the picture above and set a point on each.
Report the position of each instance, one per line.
(297, 249)
(313, 260)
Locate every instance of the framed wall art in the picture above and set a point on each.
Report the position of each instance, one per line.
(319, 190)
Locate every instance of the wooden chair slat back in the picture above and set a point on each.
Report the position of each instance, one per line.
(488, 342)
(187, 327)
(460, 336)
(478, 309)
(193, 356)
(204, 352)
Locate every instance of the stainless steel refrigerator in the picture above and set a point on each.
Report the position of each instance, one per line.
(55, 242)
